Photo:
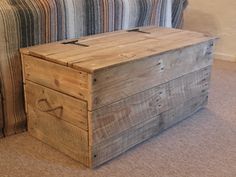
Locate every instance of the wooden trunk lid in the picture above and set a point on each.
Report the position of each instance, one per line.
(102, 51)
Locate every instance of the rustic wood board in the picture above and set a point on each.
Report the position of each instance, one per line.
(57, 77)
(107, 46)
(115, 146)
(116, 83)
(1, 117)
(63, 107)
(59, 134)
(120, 116)
(88, 54)
(114, 56)
(60, 53)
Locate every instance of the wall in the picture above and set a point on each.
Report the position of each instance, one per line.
(216, 17)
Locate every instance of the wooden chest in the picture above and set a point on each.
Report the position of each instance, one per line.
(98, 96)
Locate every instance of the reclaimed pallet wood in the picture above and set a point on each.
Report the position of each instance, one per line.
(55, 76)
(120, 116)
(98, 87)
(96, 97)
(1, 117)
(61, 135)
(120, 143)
(63, 107)
(154, 70)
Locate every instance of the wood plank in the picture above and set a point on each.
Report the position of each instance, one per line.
(24, 80)
(103, 44)
(59, 134)
(108, 43)
(119, 116)
(45, 50)
(1, 117)
(71, 110)
(116, 145)
(57, 77)
(120, 54)
(116, 83)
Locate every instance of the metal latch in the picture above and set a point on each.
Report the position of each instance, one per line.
(138, 30)
(75, 42)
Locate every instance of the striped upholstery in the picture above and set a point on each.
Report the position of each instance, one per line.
(29, 22)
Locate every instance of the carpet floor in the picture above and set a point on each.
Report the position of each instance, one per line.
(202, 146)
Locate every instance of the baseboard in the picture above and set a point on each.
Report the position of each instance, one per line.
(225, 57)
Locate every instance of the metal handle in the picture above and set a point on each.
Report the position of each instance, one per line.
(138, 30)
(75, 42)
(50, 110)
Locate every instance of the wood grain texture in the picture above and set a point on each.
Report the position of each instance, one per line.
(57, 77)
(116, 83)
(120, 116)
(116, 48)
(107, 48)
(69, 109)
(121, 54)
(96, 97)
(62, 53)
(59, 134)
(118, 144)
(1, 117)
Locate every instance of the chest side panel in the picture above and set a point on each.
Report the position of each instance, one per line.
(120, 143)
(64, 107)
(120, 116)
(57, 77)
(58, 120)
(113, 84)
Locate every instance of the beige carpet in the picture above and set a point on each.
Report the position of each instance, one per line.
(202, 146)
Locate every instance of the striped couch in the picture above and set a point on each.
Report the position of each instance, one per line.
(30, 22)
